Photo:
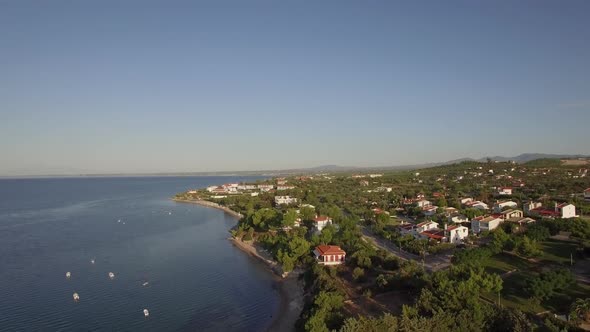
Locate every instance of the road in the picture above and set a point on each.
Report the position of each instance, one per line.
(431, 263)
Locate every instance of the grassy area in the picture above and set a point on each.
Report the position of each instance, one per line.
(514, 293)
(557, 251)
(503, 263)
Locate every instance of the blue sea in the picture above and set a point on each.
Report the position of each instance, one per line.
(196, 280)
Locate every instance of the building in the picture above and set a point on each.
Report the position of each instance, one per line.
(499, 206)
(457, 234)
(265, 187)
(566, 210)
(531, 206)
(457, 218)
(481, 224)
(466, 200)
(477, 205)
(284, 187)
(435, 234)
(329, 255)
(504, 191)
(512, 214)
(563, 211)
(322, 221)
(429, 211)
(426, 225)
(423, 203)
(375, 175)
(285, 200)
(587, 194)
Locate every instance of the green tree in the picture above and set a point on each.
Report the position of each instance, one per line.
(580, 310)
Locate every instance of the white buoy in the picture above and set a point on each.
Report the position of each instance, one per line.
(119, 220)
(92, 261)
(146, 313)
(169, 213)
(111, 275)
(76, 297)
(68, 275)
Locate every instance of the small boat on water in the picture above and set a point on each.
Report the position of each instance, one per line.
(119, 220)
(76, 297)
(145, 283)
(68, 275)
(111, 275)
(92, 261)
(169, 213)
(146, 313)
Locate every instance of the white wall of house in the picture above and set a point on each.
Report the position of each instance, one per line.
(568, 211)
(457, 235)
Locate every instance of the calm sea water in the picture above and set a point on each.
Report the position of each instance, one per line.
(197, 279)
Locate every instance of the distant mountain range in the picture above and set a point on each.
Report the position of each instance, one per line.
(522, 158)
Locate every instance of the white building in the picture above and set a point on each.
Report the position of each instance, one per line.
(456, 233)
(478, 205)
(501, 205)
(424, 226)
(458, 218)
(504, 191)
(321, 221)
(266, 187)
(566, 210)
(466, 200)
(285, 200)
(285, 187)
(531, 206)
(375, 175)
(481, 224)
(423, 203)
(429, 210)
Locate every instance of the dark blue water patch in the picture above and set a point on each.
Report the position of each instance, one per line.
(196, 280)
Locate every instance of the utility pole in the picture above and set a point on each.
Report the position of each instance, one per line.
(571, 259)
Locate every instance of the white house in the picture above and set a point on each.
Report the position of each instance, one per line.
(512, 214)
(458, 218)
(457, 233)
(423, 203)
(531, 206)
(266, 187)
(481, 224)
(478, 205)
(566, 210)
(322, 221)
(424, 226)
(504, 191)
(285, 200)
(375, 175)
(587, 194)
(285, 187)
(501, 205)
(429, 210)
(466, 200)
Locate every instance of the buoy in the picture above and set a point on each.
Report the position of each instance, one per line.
(169, 213)
(68, 275)
(119, 220)
(92, 261)
(111, 275)
(76, 297)
(146, 312)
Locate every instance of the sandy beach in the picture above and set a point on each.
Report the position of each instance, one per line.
(290, 287)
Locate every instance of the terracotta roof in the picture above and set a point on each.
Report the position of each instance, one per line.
(587, 190)
(562, 205)
(436, 234)
(424, 223)
(329, 250)
(321, 218)
(450, 228)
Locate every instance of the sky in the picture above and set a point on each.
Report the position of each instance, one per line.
(178, 86)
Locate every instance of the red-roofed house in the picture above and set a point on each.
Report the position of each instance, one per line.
(329, 255)
(434, 234)
(566, 210)
(321, 221)
(587, 194)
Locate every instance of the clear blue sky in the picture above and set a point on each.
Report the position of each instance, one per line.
(145, 86)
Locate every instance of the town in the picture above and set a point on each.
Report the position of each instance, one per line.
(469, 246)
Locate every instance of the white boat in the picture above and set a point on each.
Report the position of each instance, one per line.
(145, 283)
(92, 261)
(111, 275)
(169, 213)
(76, 297)
(68, 275)
(119, 220)
(146, 312)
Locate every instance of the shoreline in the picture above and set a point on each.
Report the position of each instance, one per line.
(211, 205)
(290, 289)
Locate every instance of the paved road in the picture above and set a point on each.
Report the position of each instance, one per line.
(431, 263)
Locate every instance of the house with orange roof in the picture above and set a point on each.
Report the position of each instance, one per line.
(329, 255)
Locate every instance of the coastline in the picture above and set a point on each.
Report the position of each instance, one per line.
(211, 205)
(289, 286)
